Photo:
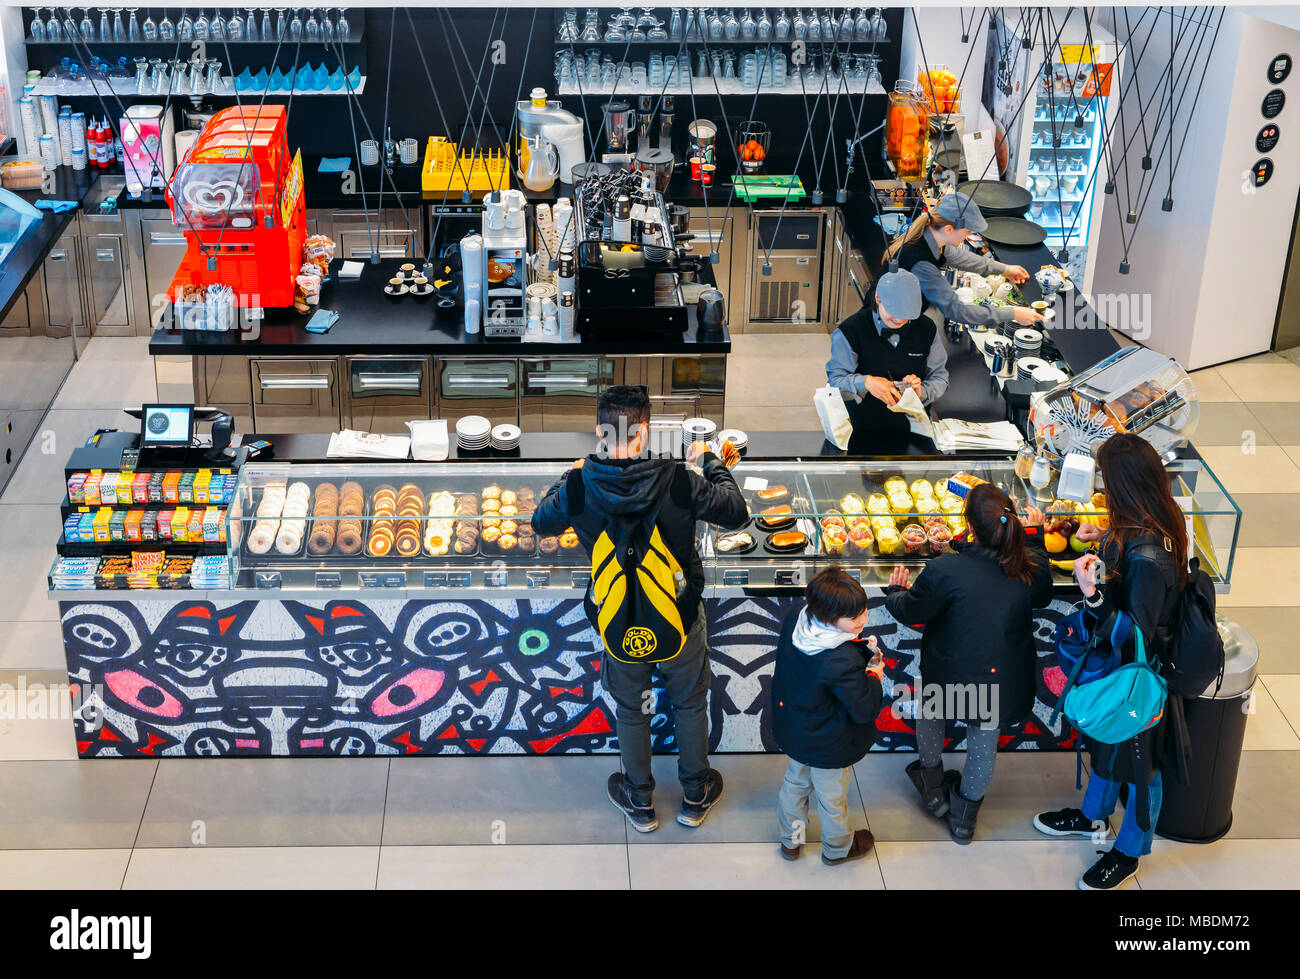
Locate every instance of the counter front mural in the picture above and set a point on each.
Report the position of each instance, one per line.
(405, 677)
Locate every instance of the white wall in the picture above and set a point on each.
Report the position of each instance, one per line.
(941, 31)
(13, 68)
(1213, 265)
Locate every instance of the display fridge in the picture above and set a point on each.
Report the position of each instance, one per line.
(1062, 156)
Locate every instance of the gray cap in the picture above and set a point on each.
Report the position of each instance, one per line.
(900, 293)
(961, 212)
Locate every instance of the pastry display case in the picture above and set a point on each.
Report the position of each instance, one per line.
(465, 525)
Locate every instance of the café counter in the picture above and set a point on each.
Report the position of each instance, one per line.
(324, 641)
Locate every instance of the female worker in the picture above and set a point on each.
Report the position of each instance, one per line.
(934, 242)
(881, 349)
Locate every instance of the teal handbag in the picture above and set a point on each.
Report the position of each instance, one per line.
(1123, 703)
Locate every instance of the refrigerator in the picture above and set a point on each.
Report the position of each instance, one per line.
(1062, 154)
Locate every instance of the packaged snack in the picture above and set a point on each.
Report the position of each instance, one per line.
(108, 489)
(148, 525)
(171, 487)
(185, 489)
(133, 532)
(90, 489)
(86, 528)
(155, 487)
(117, 526)
(180, 524)
(165, 518)
(140, 488)
(194, 530)
(201, 480)
(125, 486)
(76, 485)
(72, 528)
(959, 484)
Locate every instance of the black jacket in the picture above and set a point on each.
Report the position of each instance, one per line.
(588, 499)
(824, 705)
(1147, 589)
(978, 629)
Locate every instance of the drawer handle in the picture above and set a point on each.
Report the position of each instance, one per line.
(160, 239)
(58, 254)
(105, 255)
(294, 381)
(405, 381)
(478, 380)
(546, 379)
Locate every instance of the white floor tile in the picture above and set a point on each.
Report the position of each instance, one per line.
(1273, 380)
(37, 740)
(1267, 729)
(1020, 864)
(1210, 386)
(1264, 576)
(1266, 470)
(56, 870)
(29, 534)
(253, 868)
(1228, 864)
(675, 866)
(39, 478)
(600, 866)
(1284, 689)
(112, 372)
(33, 645)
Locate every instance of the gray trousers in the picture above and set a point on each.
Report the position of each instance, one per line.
(831, 786)
(686, 680)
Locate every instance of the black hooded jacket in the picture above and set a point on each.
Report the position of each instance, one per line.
(590, 498)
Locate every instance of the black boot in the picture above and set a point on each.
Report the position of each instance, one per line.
(932, 785)
(961, 816)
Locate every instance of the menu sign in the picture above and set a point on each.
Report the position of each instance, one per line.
(1267, 138)
(1273, 103)
(1279, 68)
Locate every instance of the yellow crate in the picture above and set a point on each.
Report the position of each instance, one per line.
(483, 170)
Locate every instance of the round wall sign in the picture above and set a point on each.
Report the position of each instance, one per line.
(1273, 103)
(1262, 171)
(1279, 68)
(1267, 138)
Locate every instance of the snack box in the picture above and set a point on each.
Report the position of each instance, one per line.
(194, 531)
(108, 489)
(202, 479)
(959, 484)
(211, 520)
(102, 516)
(148, 525)
(76, 487)
(90, 488)
(125, 487)
(133, 532)
(117, 526)
(86, 527)
(72, 528)
(155, 487)
(185, 489)
(165, 524)
(140, 488)
(180, 523)
(171, 487)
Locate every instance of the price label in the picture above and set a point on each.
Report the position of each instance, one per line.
(789, 578)
(754, 484)
(382, 579)
(328, 579)
(496, 579)
(435, 579)
(458, 579)
(539, 579)
(580, 579)
(855, 574)
(267, 579)
(735, 577)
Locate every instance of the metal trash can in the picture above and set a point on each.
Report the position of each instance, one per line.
(1201, 810)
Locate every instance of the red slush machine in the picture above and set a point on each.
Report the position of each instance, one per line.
(239, 198)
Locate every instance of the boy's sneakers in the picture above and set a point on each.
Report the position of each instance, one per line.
(791, 852)
(863, 841)
(1068, 822)
(642, 818)
(1109, 872)
(693, 812)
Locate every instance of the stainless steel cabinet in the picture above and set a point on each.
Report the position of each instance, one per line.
(62, 279)
(382, 393)
(478, 387)
(26, 317)
(789, 299)
(295, 395)
(107, 267)
(164, 247)
(395, 233)
(718, 228)
(559, 394)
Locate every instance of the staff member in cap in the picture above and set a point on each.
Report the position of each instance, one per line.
(883, 347)
(934, 243)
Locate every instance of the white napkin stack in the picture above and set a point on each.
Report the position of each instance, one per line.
(349, 444)
(429, 440)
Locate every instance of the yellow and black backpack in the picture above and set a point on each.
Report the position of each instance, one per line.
(633, 595)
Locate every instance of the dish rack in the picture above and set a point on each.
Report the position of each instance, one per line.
(450, 171)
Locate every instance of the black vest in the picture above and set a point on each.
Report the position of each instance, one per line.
(915, 252)
(876, 355)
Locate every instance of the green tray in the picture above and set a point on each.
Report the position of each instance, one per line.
(750, 188)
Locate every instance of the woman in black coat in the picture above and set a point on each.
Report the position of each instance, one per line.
(978, 657)
(1146, 550)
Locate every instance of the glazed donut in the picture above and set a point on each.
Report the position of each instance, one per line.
(261, 538)
(287, 541)
(491, 492)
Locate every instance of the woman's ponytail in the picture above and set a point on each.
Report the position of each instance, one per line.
(991, 515)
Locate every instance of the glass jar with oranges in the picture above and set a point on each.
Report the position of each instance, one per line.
(907, 131)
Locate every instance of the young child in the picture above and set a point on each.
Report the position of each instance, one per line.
(825, 698)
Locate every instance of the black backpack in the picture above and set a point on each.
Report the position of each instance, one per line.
(1194, 650)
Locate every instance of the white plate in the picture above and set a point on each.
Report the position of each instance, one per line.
(734, 435)
(506, 433)
(473, 426)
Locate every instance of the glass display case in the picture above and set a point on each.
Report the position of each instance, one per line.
(466, 524)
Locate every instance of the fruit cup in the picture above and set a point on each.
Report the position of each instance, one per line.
(753, 140)
(914, 538)
(940, 538)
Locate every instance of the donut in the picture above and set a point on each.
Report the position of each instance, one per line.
(491, 492)
(408, 544)
(508, 497)
(348, 540)
(261, 538)
(549, 545)
(287, 541)
(321, 540)
(509, 527)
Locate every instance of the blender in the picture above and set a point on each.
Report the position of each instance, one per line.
(620, 120)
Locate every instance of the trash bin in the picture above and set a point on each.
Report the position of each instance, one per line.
(1201, 810)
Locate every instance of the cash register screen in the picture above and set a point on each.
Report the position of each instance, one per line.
(167, 425)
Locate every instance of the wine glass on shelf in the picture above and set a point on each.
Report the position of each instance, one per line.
(201, 26)
(344, 28)
(185, 27)
(133, 25)
(87, 26)
(235, 25)
(311, 29)
(119, 29)
(166, 29)
(105, 26)
(268, 27)
(70, 24)
(217, 25)
(295, 25)
(37, 26)
(326, 26)
(281, 24)
(149, 29)
(53, 29)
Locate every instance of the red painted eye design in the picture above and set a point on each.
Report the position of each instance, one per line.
(407, 693)
(143, 694)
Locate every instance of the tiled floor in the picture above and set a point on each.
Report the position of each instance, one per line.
(530, 822)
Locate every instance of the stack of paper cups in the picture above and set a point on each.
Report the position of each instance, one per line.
(471, 264)
(31, 124)
(562, 220)
(49, 153)
(79, 131)
(65, 133)
(49, 106)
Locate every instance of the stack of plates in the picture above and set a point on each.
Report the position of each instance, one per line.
(735, 436)
(1029, 342)
(1049, 375)
(697, 430)
(505, 437)
(1025, 366)
(473, 432)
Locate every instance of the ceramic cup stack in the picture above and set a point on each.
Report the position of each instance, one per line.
(473, 433)
(735, 436)
(1025, 367)
(697, 430)
(505, 438)
(1029, 342)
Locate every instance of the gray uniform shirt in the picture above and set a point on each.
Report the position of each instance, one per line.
(939, 291)
(842, 369)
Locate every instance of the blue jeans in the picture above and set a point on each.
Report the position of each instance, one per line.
(1099, 802)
